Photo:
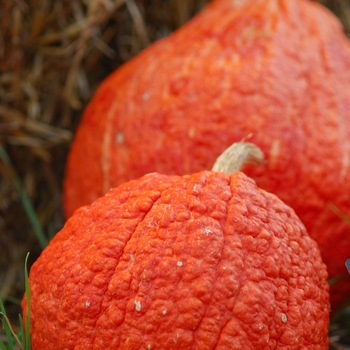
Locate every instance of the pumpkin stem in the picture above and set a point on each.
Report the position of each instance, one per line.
(237, 155)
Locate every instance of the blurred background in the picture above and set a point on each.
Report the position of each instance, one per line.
(53, 55)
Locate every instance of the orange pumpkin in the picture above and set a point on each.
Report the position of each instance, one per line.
(202, 261)
(278, 70)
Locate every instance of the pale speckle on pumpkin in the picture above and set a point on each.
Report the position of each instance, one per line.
(191, 132)
(146, 96)
(208, 231)
(275, 151)
(137, 305)
(238, 3)
(120, 138)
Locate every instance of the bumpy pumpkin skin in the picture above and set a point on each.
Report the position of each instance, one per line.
(205, 261)
(279, 70)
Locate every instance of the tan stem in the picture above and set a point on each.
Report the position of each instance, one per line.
(237, 155)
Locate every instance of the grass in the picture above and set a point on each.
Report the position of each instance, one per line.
(27, 206)
(22, 339)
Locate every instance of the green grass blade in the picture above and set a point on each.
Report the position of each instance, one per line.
(27, 331)
(25, 201)
(338, 212)
(11, 299)
(2, 345)
(33, 218)
(7, 327)
(335, 279)
(21, 333)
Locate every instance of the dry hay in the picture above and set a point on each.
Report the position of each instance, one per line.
(53, 54)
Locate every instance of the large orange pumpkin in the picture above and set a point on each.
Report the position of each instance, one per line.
(278, 70)
(202, 261)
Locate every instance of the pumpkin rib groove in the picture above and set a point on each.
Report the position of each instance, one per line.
(106, 148)
(214, 268)
(137, 228)
(123, 250)
(109, 282)
(222, 225)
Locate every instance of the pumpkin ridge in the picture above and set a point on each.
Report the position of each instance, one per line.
(214, 269)
(132, 199)
(198, 193)
(117, 262)
(164, 183)
(222, 226)
(106, 148)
